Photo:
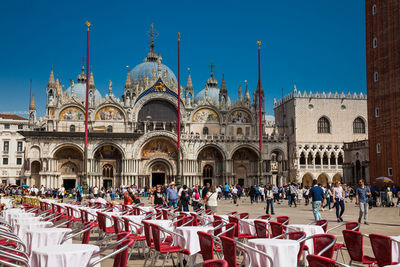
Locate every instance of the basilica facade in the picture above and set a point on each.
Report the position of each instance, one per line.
(133, 138)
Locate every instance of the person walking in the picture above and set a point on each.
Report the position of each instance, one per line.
(292, 195)
(226, 191)
(269, 195)
(235, 195)
(252, 194)
(317, 194)
(157, 197)
(172, 195)
(328, 195)
(338, 200)
(362, 196)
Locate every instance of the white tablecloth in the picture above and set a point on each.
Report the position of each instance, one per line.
(246, 226)
(208, 219)
(18, 215)
(43, 237)
(166, 224)
(282, 251)
(191, 237)
(6, 214)
(24, 220)
(146, 209)
(309, 229)
(136, 219)
(69, 255)
(7, 202)
(109, 220)
(396, 249)
(20, 229)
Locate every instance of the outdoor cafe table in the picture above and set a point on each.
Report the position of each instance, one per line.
(166, 224)
(246, 226)
(282, 251)
(190, 235)
(207, 219)
(21, 228)
(42, 237)
(67, 255)
(396, 249)
(109, 220)
(7, 213)
(18, 215)
(309, 229)
(137, 219)
(24, 220)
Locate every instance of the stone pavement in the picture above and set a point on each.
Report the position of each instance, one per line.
(381, 220)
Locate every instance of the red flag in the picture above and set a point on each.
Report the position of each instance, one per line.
(259, 92)
(179, 91)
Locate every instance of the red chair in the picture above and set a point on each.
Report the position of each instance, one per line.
(188, 221)
(261, 229)
(283, 219)
(320, 261)
(298, 235)
(265, 217)
(209, 212)
(324, 243)
(206, 245)
(158, 216)
(230, 229)
(229, 251)
(323, 223)
(276, 229)
(244, 215)
(217, 225)
(102, 220)
(84, 216)
(382, 248)
(237, 233)
(354, 245)
(354, 226)
(116, 220)
(217, 218)
(215, 263)
(165, 214)
(166, 249)
(179, 220)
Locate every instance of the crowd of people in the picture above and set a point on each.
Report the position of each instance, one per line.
(330, 196)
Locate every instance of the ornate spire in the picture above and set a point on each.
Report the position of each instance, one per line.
(109, 87)
(91, 81)
(58, 86)
(240, 96)
(82, 75)
(32, 105)
(212, 82)
(223, 84)
(152, 56)
(128, 83)
(51, 79)
(189, 84)
(247, 94)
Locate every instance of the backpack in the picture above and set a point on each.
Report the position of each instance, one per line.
(196, 196)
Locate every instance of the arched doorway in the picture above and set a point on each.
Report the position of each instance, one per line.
(70, 166)
(307, 180)
(35, 177)
(159, 173)
(323, 179)
(210, 160)
(158, 115)
(245, 166)
(109, 160)
(160, 156)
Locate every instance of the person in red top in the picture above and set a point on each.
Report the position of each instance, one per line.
(127, 199)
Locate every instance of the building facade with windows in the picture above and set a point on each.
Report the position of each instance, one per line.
(356, 164)
(383, 87)
(12, 149)
(133, 138)
(318, 125)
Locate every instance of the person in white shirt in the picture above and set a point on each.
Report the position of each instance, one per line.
(235, 195)
(262, 193)
(95, 192)
(269, 195)
(211, 201)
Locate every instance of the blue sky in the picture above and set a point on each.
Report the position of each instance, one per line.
(317, 45)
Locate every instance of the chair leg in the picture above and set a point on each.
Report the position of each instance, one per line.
(165, 257)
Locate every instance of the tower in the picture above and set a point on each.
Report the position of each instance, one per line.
(223, 94)
(128, 90)
(92, 90)
(247, 99)
(383, 88)
(51, 92)
(189, 90)
(32, 111)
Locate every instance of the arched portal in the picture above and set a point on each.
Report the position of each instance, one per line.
(159, 155)
(210, 160)
(160, 171)
(35, 169)
(108, 160)
(70, 165)
(307, 180)
(245, 166)
(322, 179)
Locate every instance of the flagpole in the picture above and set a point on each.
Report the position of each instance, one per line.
(259, 105)
(87, 103)
(179, 108)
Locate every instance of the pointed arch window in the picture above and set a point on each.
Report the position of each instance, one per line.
(205, 131)
(324, 125)
(302, 159)
(72, 128)
(358, 125)
(208, 171)
(109, 129)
